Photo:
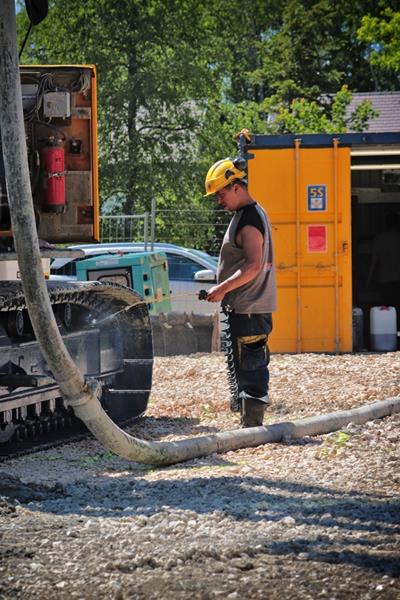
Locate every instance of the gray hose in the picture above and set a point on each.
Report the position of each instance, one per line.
(167, 453)
(76, 392)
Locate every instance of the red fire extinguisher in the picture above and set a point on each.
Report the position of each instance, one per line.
(52, 158)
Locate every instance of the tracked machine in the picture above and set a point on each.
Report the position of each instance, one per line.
(105, 326)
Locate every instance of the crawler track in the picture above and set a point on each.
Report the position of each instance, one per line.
(74, 431)
(107, 331)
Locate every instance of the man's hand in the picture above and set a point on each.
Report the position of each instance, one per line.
(215, 294)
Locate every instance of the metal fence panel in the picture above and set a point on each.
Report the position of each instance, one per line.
(124, 228)
(202, 229)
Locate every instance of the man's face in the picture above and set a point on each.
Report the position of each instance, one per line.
(226, 198)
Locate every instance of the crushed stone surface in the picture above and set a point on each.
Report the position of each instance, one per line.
(314, 519)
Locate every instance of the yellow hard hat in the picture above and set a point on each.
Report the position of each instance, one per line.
(222, 173)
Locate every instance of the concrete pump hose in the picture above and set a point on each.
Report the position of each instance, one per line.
(167, 453)
(83, 397)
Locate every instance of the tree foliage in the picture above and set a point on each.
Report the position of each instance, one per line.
(178, 78)
(382, 33)
(154, 83)
(302, 48)
(308, 116)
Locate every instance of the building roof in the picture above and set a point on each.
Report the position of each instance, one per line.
(388, 106)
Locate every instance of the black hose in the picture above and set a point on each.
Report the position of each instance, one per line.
(25, 40)
(227, 347)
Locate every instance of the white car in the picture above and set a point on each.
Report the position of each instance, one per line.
(189, 271)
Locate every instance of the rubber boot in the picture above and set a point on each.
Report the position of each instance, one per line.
(252, 412)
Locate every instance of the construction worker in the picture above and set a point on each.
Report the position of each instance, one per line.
(246, 284)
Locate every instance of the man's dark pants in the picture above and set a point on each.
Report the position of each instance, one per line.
(249, 334)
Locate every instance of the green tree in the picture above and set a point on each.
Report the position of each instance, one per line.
(302, 48)
(382, 34)
(299, 116)
(308, 116)
(178, 78)
(154, 80)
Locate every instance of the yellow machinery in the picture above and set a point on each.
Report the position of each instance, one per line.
(305, 185)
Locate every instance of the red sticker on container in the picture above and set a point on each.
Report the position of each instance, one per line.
(317, 238)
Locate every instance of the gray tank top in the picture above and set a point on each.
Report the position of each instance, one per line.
(259, 294)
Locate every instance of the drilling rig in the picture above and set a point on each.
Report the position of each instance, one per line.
(105, 327)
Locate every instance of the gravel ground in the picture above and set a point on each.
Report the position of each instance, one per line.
(319, 518)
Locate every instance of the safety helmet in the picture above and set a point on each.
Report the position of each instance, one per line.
(223, 172)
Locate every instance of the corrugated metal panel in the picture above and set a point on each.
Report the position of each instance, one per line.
(306, 193)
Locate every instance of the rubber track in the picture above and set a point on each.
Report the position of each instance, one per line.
(117, 307)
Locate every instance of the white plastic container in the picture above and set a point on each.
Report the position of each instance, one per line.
(382, 328)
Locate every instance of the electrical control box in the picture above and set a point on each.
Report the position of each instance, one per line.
(57, 105)
(60, 118)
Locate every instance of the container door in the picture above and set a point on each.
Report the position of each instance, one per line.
(306, 193)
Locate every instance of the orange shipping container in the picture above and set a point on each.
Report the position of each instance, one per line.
(305, 185)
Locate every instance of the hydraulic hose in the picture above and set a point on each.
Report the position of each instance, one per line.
(80, 395)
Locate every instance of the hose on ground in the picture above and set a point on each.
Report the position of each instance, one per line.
(83, 397)
(167, 453)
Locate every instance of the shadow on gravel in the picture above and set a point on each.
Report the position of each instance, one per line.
(239, 497)
(371, 560)
(323, 524)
